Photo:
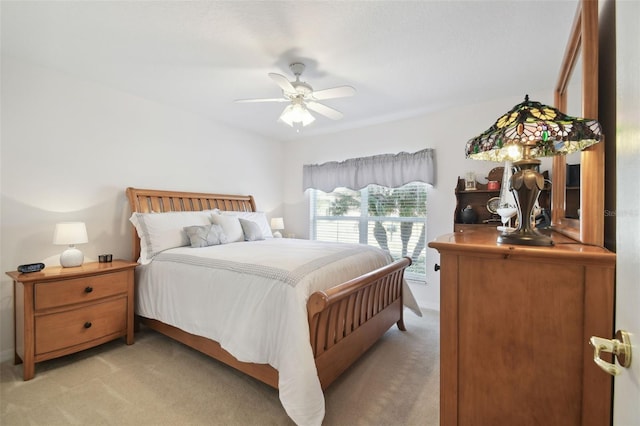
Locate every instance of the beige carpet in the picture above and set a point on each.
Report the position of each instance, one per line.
(157, 381)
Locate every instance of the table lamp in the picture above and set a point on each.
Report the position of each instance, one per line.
(528, 131)
(70, 233)
(277, 224)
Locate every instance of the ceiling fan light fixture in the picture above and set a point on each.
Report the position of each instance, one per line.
(296, 113)
(307, 118)
(285, 117)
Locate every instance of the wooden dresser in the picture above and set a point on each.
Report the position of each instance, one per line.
(59, 311)
(515, 329)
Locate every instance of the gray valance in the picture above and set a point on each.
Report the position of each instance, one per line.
(390, 170)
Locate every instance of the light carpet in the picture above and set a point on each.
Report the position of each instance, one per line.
(158, 381)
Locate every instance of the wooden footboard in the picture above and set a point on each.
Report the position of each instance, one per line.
(344, 321)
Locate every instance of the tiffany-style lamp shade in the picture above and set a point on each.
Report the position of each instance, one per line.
(530, 130)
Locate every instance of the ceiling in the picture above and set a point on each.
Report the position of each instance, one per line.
(405, 58)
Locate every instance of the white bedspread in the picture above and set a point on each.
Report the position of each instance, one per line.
(251, 298)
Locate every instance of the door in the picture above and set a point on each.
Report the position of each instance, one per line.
(626, 394)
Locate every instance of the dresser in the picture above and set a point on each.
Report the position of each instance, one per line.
(59, 311)
(515, 323)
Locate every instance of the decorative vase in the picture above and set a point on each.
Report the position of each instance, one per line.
(468, 215)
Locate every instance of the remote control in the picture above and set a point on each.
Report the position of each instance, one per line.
(31, 267)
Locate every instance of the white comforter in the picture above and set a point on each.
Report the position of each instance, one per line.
(251, 298)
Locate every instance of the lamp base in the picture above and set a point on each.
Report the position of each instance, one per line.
(526, 184)
(519, 237)
(71, 257)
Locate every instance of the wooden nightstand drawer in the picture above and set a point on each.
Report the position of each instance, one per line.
(67, 292)
(77, 326)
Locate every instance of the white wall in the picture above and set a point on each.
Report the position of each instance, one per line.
(70, 148)
(446, 131)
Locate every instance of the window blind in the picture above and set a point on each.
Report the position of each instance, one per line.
(393, 219)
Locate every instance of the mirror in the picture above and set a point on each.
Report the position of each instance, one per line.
(573, 108)
(582, 49)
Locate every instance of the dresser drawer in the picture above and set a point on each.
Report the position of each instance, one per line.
(77, 290)
(69, 328)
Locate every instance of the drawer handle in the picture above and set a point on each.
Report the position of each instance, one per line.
(88, 289)
(87, 324)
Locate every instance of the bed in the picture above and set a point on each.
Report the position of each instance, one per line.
(339, 321)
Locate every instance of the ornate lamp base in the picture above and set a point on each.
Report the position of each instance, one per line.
(526, 184)
(525, 238)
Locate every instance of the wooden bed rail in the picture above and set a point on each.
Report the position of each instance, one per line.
(347, 310)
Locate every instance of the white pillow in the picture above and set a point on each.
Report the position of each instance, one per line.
(230, 226)
(162, 231)
(258, 217)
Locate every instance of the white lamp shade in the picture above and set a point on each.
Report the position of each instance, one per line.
(70, 233)
(277, 223)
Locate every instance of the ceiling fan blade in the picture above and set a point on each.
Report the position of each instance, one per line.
(334, 92)
(325, 110)
(283, 82)
(241, 101)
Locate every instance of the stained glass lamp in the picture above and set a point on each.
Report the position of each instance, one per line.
(528, 131)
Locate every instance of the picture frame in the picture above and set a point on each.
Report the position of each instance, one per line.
(470, 181)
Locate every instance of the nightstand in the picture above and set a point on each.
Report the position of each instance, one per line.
(59, 311)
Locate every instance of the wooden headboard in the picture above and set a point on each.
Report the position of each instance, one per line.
(158, 201)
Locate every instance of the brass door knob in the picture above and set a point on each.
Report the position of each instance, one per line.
(620, 347)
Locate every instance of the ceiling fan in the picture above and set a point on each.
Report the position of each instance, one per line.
(302, 98)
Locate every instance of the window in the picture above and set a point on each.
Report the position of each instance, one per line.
(393, 219)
